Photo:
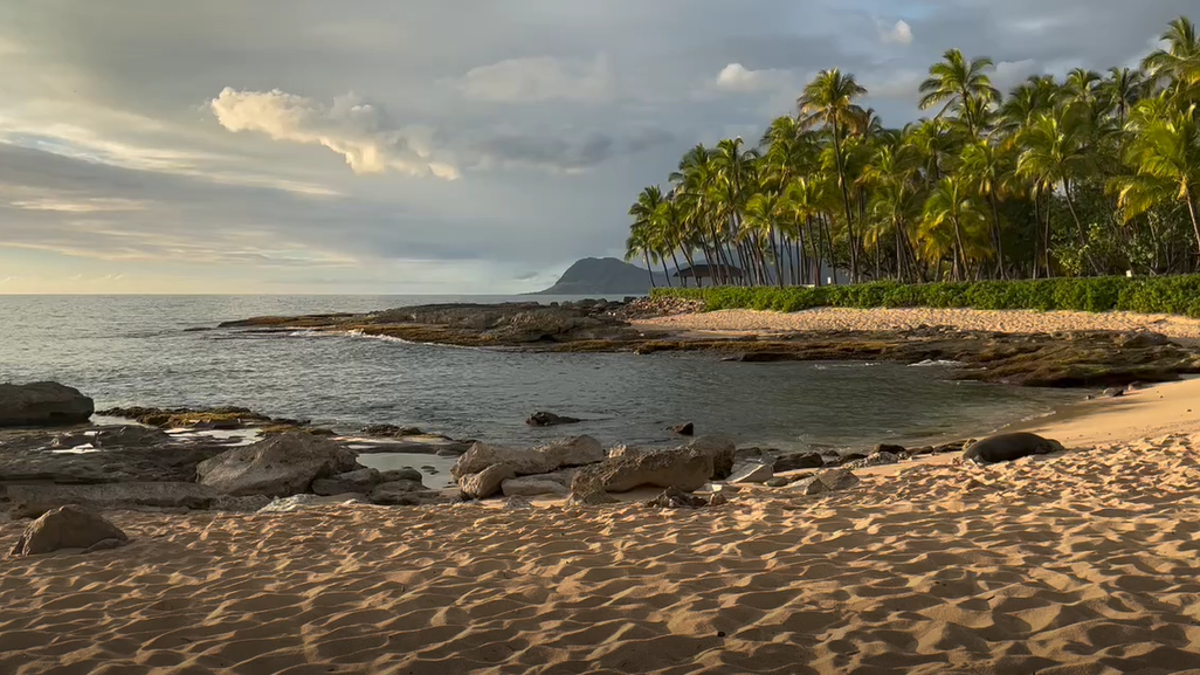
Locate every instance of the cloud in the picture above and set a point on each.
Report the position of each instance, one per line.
(899, 34)
(357, 130)
(736, 78)
(542, 79)
(1009, 74)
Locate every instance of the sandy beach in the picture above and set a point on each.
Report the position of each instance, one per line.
(1007, 321)
(1083, 563)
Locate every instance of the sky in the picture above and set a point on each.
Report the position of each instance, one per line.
(430, 146)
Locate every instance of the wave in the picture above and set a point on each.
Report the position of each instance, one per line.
(358, 333)
(937, 363)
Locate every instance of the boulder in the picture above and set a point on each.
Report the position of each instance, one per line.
(31, 501)
(302, 502)
(240, 504)
(66, 527)
(407, 473)
(751, 472)
(130, 437)
(402, 493)
(778, 482)
(876, 459)
(486, 483)
(674, 498)
(894, 449)
(685, 469)
(687, 429)
(279, 466)
(624, 451)
(799, 462)
(43, 404)
(589, 495)
(533, 486)
(833, 480)
(360, 481)
(391, 431)
(720, 449)
(517, 503)
(577, 451)
(547, 419)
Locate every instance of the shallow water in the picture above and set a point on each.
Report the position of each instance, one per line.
(136, 350)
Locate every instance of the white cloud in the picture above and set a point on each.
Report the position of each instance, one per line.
(736, 78)
(95, 205)
(357, 130)
(900, 33)
(540, 79)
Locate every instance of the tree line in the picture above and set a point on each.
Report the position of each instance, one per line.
(1089, 175)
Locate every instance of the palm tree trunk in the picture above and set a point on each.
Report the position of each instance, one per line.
(837, 151)
(666, 274)
(960, 253)
(1083, 242)
(675, 258)
(649, 269)
(829, 243)
(1037, 233)
(998, 236)
(1187, 195)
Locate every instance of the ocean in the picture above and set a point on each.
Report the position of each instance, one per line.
(140, 350)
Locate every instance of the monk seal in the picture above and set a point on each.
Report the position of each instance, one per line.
(1009, 447)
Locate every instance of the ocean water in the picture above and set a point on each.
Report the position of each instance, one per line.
(137, 350)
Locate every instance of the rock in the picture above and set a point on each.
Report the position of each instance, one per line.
(533, 487)
(43, 404)
(674, 498)
(751, 472)
(685, 469)
(1141, 339)
(743, 455)
(517, 503)
(590, 495)
(302, 502)
(486, 483)
(687, 429)
(106, 545)
(893, 449)
(545, 419)
(624, 451)
(1113, 392)
(778, 482)
(720, 449)
(391, 431)
(407, 473)
(876, 459)
(851, 458)
(30, 501)
(279, 466)
(1010, 447)
(827, 481)
(798, 462)
(449, 452)
(361, 481)
(240, 504)
(577, 451)
(718, 499)
(66, 527)
(402, 493)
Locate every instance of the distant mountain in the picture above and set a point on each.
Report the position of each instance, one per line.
(603, 276)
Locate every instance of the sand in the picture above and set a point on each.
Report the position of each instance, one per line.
(1007, 321)
(1078, 564)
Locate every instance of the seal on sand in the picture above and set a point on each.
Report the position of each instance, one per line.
(1008, 447)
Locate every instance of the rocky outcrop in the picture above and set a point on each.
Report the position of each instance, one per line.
(34, 457)
(68, 527)
(577, 451)
(43, 404)
(403, 493)
(687, 469)
(878, 458)
(533, 486)
(280, 466)
(30, 501)
(799, 462)
(547, 419)
(486, 483)
(685, 429)
(833, 480)
(359, 481)
(674, 498)
(302, 502)
(720, 449)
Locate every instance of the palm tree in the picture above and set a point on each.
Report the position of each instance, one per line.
(953, 204)
(1122, 90)
(829, 100)
(1165, 158)
(987, 168)
(1178, 66)
(642, 233)
(1055, 154)
(955, 83)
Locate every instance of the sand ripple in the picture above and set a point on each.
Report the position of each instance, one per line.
(1079, 564)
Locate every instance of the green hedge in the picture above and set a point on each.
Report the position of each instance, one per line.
(1154, 295)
